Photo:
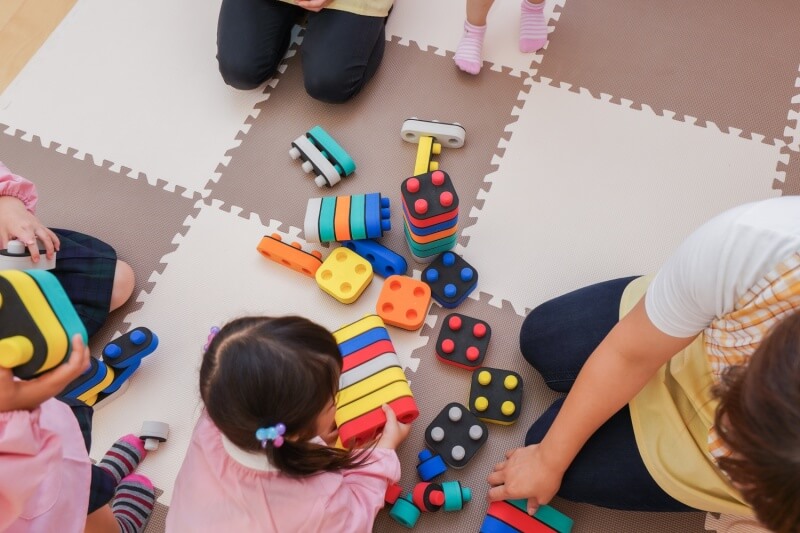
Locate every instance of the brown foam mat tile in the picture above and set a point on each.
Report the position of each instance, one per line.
(262, 178)
(158, 518)
(733, 64)
(436, 384)
(137, 219)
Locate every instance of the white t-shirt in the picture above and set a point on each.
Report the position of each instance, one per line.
(718, 263)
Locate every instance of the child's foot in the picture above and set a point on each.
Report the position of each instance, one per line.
(133, 503)
(468, 54)
(532, 27)
(123, 457)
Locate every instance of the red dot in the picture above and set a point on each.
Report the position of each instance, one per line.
(446, 198)
(473, 353)
(437, 178)
(412, 185)
(448, 346)
(421, 206)
(479, 330)
(454, 323)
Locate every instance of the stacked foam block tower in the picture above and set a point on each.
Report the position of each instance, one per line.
(371, 376)
(430, 214)
(345, 218)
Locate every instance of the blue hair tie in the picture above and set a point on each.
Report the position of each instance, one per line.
(272, 433)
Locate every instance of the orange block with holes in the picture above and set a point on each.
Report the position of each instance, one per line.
(404, 302)
(290, 255)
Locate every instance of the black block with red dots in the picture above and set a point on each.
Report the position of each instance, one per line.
(463, 341)
(430, 214)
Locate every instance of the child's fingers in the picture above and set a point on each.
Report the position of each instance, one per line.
(391, 418)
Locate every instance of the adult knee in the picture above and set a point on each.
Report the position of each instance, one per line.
(243, 74)
(330, 87)
(536, 336)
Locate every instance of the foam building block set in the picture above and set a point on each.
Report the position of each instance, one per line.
(430, 214)
(511, 516)
(321, 154)
(290, 255)
(37, 322)
(404, 302)
(451, 279)
(496, 395)
(430, 136)
(463, 341)
(456, 435)
(345, 218)
(371, 376)
(16, 256)
(385, 262)
(344, 275)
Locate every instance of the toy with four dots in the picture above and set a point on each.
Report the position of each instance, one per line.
(496, 395)
(456, 435)
(322, 154)
(403, 302)
(344, 275)
(430, 214)
(451, 278)
(463, 341)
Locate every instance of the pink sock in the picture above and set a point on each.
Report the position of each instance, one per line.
(532, 27)
(468, 54)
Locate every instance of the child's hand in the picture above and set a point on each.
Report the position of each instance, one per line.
(28, 395)
(16, 222)
(393, 432)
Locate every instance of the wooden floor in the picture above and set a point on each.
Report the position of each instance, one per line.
(24, 26)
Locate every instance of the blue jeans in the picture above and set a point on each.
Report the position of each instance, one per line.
(556, 338)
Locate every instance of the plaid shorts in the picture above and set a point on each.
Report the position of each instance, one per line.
(85, 266)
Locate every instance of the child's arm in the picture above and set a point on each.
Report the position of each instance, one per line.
(18, 187)
(18, 199)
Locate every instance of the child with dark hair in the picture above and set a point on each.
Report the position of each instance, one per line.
(262, 456)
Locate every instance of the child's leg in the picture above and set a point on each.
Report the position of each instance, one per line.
(469, 52)
(123, 457)
(532, 26)
(133, 503)
(124, 281)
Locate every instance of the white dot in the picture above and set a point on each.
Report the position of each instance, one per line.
(458, 453)
(437, 434)
(475, 432)
(454, 414)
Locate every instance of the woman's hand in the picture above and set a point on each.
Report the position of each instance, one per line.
(393, 432)
(525, 474)
(28, 395)
(313, 5)
(16, 222)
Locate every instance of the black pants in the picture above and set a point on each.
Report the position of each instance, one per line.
(340, 51)
(557, 337)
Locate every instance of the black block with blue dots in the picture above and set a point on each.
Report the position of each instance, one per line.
(451, 279)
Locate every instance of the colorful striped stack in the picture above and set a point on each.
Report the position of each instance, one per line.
(511, 516)
(346, 218)
(430, 214)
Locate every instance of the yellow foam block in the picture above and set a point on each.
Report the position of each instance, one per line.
(371, 401)
(344, 275)
(357, 328)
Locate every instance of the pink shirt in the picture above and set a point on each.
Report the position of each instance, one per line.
(44, 470)
(18, 187)
(215, 492)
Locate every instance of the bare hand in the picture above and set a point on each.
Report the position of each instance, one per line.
(313, 5)
(16, 222)
(28, 395)
(525, 474)
(393, 432)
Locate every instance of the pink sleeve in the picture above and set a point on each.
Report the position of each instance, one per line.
(18, 187)
(356, 504)
(26, 452)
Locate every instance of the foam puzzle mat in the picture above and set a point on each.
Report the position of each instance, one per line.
(587, 161)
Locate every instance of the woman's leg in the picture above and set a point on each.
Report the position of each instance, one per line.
(608, 471)
(341, 52)
(558, 336)
(252, 37)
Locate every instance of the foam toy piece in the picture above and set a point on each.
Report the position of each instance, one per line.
(456, 434)
(37, 322)
(371, 376)
(290, 255)
(322, 154)
(344, 275)
(16, 256)
(153, 433)
(455, 495)
(430, 465)
(345, 218)
(384, 261)
(452, 135)
(91, 383)
(426, 149)
(404, 512)
(404, 302)
(511, 516)
(430, 213)
(463, 341)
(427, 497)
(393, 492)
(496, 395)
(451, 279)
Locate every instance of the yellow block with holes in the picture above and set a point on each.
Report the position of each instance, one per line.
(344, 275)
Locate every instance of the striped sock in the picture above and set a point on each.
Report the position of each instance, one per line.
(123, 457)
(468, 54)
(532, 27)
(133, 503)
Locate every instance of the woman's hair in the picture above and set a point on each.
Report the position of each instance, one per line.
(261, 371)
(758, 419)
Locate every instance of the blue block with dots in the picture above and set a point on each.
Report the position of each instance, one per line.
(384, 261)
(129, 349)
(377, 215)
(451, 279)
(430, 465)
